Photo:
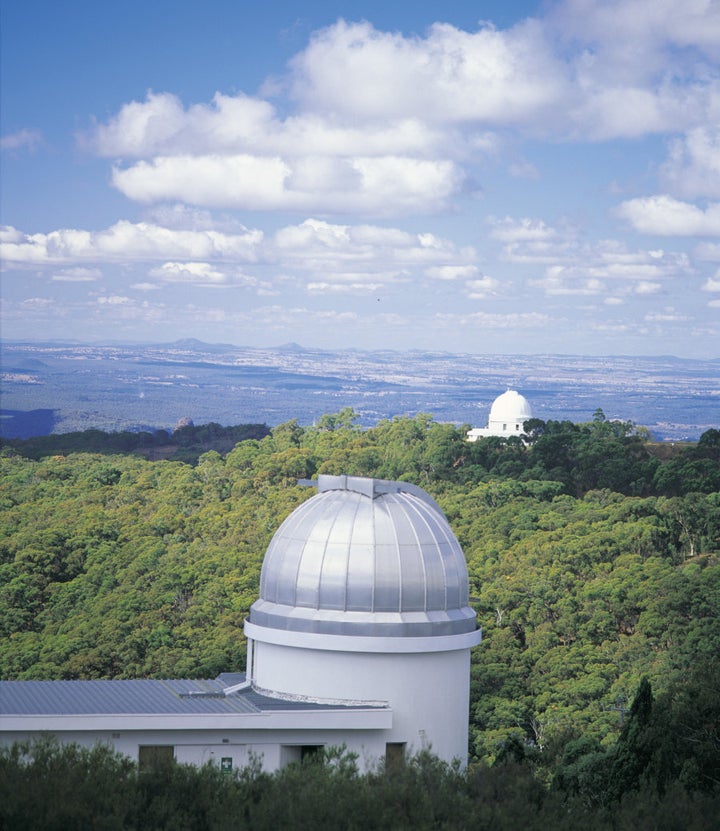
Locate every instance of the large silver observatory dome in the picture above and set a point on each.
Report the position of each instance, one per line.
(365, 557)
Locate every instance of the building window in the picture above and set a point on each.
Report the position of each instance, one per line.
(394, 754)
(290, 753)
(154, 756)
(311, 752)
(504, 426)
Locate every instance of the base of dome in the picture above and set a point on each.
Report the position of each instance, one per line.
(373, 624)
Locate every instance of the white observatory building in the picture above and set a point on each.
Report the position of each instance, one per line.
(508, 413)
(361, 637)
(364, 597)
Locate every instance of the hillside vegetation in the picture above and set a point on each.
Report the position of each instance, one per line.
(593, 565)
(185, 444)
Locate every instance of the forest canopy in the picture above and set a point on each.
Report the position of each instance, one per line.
(593, 565)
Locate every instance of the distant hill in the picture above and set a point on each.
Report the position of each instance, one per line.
(198, 345)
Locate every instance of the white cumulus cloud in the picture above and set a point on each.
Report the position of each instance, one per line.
(114, 300)
(323, 246)
(639, 66)
(127, 241)
(343, 288)
(482, 287)
(234, 125)
(451, 75)
(196, 273)
(490, 320)
(381, 186)
(77, 275)
(525, 229)
(647, 287)
(383, 124)
(452, 272)
(692, 168)
(590, 270)
(663, 215)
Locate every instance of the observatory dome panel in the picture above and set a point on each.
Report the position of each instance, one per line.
(365, 556)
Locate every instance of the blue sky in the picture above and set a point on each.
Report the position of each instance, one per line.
(490, 177)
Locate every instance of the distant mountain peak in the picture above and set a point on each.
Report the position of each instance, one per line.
(190, 343)
(291, 347)
(195, 345)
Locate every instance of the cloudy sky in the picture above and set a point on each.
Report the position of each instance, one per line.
(524, 177)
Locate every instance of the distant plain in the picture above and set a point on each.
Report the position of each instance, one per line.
(62, 387)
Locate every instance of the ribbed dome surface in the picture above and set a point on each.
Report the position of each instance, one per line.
(365, 556)
(510, 406)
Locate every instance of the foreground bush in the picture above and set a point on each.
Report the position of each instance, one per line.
(48, 786)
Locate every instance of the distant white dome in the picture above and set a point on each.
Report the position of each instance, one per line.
(510, 407)
(508, 415)
(365, 557)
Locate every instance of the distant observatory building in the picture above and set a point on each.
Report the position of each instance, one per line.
(361, 636)
(507, 415)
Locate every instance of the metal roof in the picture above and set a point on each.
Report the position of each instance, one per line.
(366, 557)
(142, 697)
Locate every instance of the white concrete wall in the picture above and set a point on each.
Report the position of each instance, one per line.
(274, 748)
(428, 692)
